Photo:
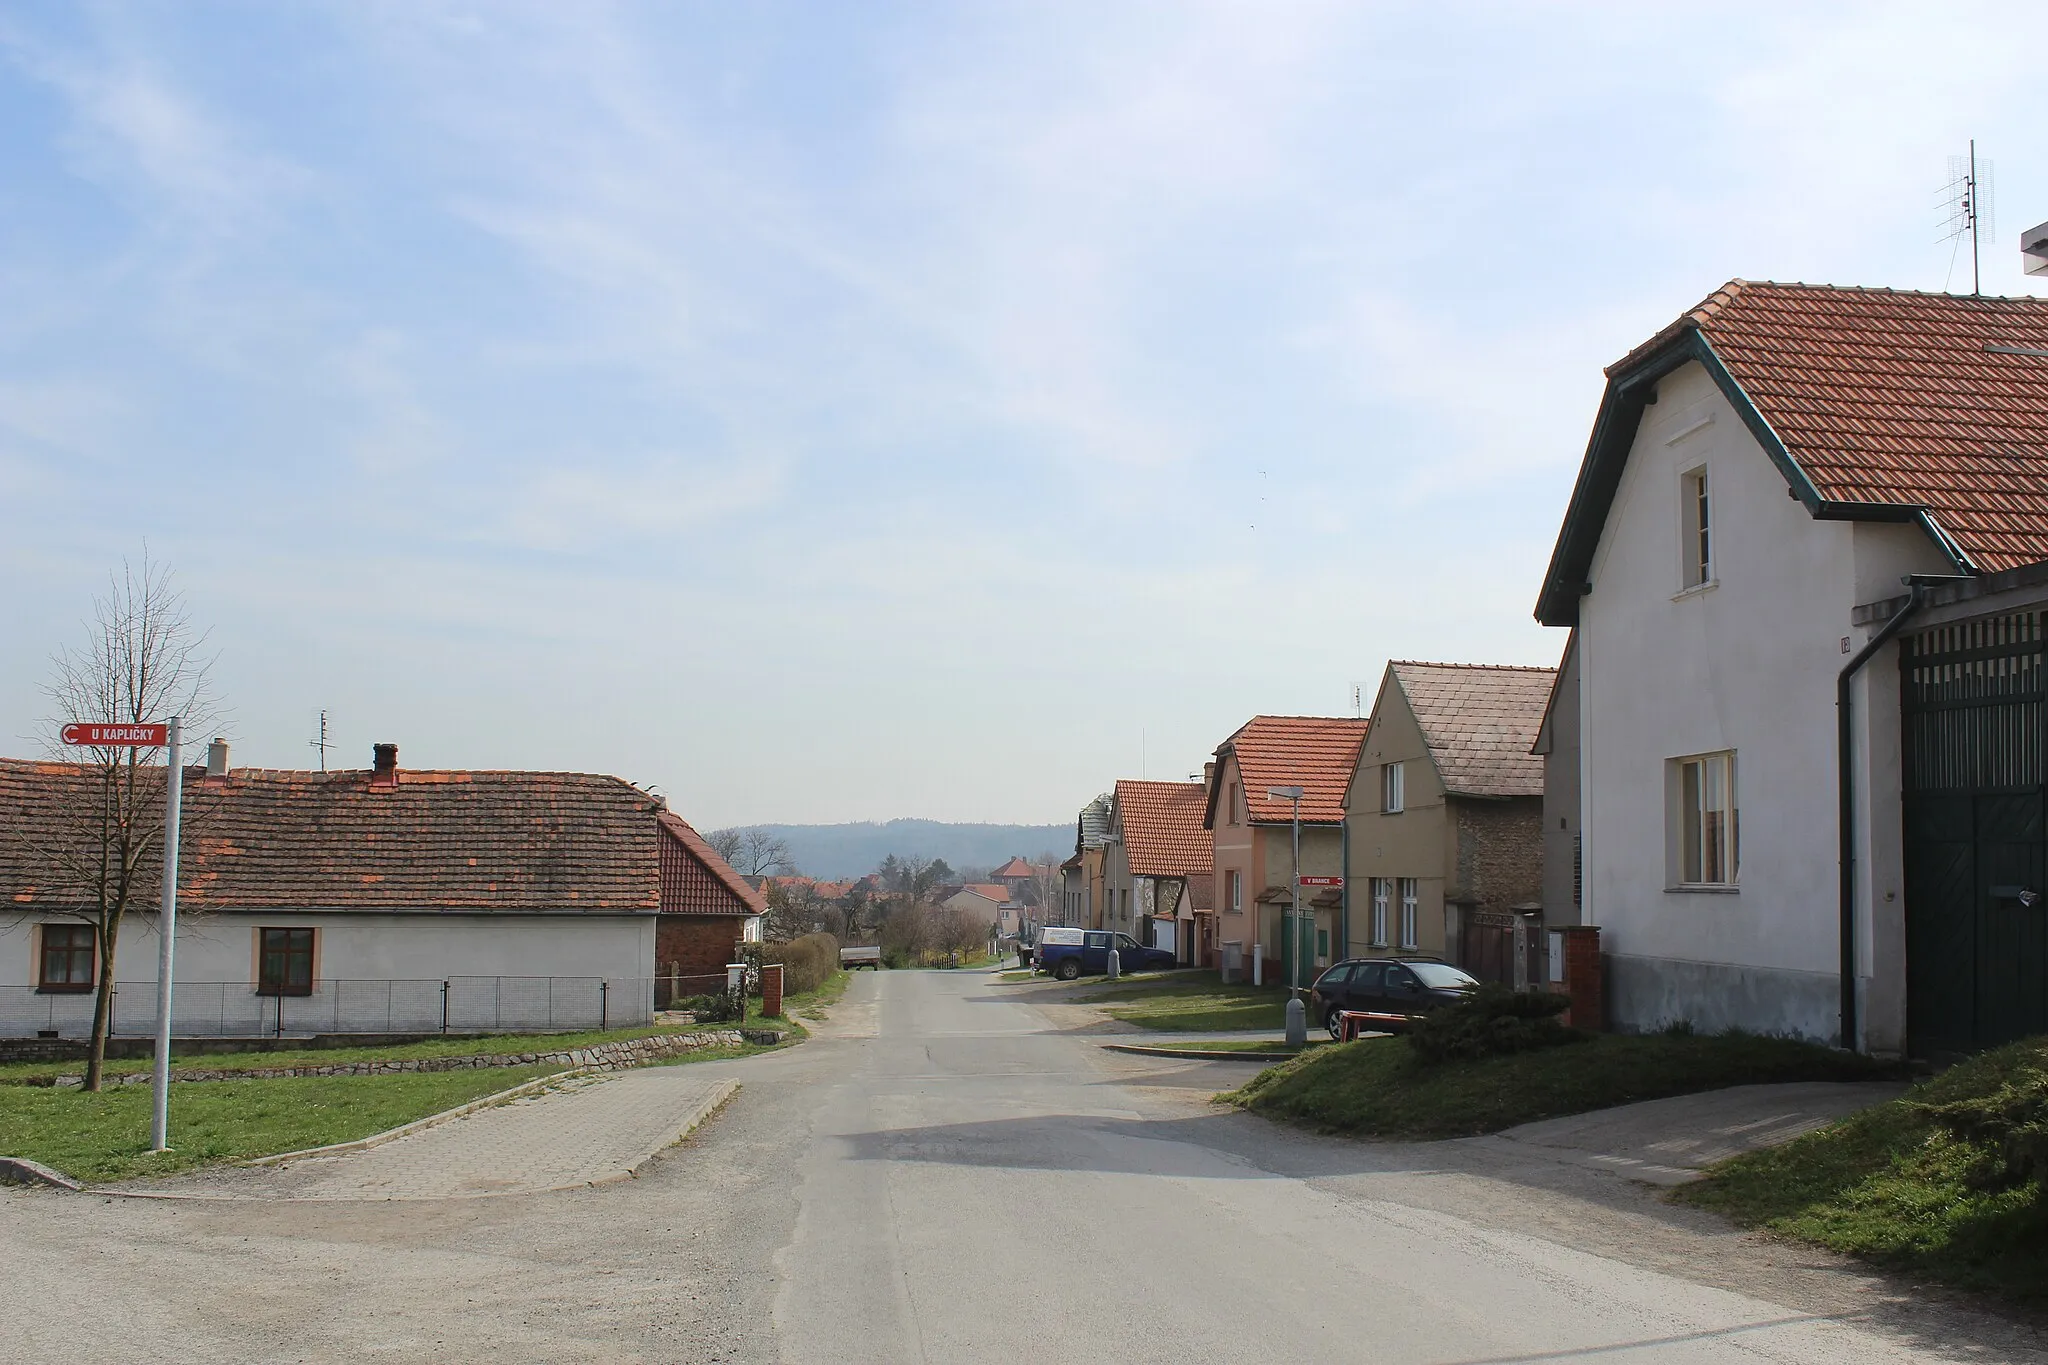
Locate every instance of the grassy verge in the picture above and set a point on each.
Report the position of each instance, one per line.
(1200, 1006)
(1892, 1186)
(106, 1136)
(1378, 1088)
(20, 1072)
(812, 1004)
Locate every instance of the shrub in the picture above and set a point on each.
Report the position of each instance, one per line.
(1492, 1022)
(710, 1009)
(807, 962)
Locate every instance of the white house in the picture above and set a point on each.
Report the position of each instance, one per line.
(373, 900)
(1775, 459)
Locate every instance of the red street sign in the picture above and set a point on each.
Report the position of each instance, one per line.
(1322, 881)
(118, 736)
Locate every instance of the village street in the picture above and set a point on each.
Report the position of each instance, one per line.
(947, 1173)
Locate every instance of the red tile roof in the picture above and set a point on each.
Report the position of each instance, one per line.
(1479, 721)
(1316, 753)
(437, 841)
(1016, 867)
(1162, 828)
(1885, 396)
(988, 890)
(695, 880)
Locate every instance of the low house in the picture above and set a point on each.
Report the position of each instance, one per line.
(1445, 818)
(1073, 893)
(376, 900)
(1256, 872)
(1157, 848)
(1775, 833)
(987, 903)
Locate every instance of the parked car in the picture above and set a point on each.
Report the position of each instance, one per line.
(1069, 953)
(1392, 990)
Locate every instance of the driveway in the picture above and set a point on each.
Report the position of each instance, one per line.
(942, 1175)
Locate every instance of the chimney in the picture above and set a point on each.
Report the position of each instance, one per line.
(1209, 773)
(384, 766)
(217, 761)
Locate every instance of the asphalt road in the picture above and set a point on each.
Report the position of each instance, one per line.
(945, 1175)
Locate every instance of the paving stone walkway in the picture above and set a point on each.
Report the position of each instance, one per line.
(583, 1131)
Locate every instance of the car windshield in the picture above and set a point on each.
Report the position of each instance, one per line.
(1440, 977)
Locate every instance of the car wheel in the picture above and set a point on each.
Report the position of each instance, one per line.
(1334, 1022)
(1068, 970)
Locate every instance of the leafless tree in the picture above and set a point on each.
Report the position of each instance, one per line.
(794, 911)
(142, 663)
(752, 851)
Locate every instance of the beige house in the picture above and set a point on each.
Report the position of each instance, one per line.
(1252, 834)
(1445, 814)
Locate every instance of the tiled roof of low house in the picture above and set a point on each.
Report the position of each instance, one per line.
(696, 881)
(1016, 867)
(434, 841)
(1162, 828)
(1479, 721)
(1315, 753)
(994, 891)
(1877, 404)
(1202, 892)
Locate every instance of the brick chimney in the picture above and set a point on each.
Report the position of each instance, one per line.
(383, 767)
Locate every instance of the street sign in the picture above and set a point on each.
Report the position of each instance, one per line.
(1322, 881)
(117, 736)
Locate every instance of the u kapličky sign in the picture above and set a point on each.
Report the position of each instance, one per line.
(117, 736)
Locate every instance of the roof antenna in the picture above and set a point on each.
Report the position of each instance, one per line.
(1972, 203)
(1358, 700)
(321, 743)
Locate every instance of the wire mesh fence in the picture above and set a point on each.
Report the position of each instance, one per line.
(454, 1004)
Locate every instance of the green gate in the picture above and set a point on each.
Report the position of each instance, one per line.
(1976, 919)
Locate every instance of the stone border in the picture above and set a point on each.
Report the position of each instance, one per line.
(19, 1170)
(1200, 1054)
(524, 1088)
(626, 1052)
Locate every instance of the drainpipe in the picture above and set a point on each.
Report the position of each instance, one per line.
(1344, 892)
(1845, 778)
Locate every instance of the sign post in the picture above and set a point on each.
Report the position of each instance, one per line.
(151, 737)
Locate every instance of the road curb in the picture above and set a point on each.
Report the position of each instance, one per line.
(520, 1091)
(19, 1170)
(721, 1094)
(1199, 1054)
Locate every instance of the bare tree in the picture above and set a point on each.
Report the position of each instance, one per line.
(141, 664)
(794, 911)
(752, 851)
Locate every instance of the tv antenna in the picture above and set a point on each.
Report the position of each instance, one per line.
(321, 743)
(1358, 699)
(1972, 203)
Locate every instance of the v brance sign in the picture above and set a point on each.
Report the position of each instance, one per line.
(117, 736)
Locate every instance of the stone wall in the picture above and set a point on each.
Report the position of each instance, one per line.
(1500, 853)
(603, 1057)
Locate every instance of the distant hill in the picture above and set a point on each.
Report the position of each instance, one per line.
(841, 851)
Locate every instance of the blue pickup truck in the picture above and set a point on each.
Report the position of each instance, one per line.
(1069, 953)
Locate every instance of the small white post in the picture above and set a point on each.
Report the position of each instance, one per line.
(167, 927)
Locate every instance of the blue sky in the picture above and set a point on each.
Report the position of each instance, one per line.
(841, 412)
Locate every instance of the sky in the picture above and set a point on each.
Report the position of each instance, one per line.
(840, 412)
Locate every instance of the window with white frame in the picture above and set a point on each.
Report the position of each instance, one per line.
(1382, 895)
(1234, 881)
(1393, 788)
(1409, 899)
(1705, 842)
(1697, 547)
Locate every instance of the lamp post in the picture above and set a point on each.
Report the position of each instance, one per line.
(1297, 1013)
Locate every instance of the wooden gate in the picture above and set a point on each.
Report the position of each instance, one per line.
(1487, 946)
(1976, 920)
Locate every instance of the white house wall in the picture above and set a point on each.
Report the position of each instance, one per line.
(1746, 665)
(371, 971)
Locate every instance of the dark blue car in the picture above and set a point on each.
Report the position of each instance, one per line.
(1069, 953)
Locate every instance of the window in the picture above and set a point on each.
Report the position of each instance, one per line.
(67, 957)
(1708, 822)
(1394, 788)
(1322, 943)
(1235, 900)
(1697, 546)
(1382, 893)
(1369, 978)
(285, 962)
(1230, 804)
(1409, 897)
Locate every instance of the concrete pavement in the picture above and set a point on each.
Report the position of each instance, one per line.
(940, 1176)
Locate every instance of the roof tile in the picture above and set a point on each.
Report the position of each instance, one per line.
(1316, 753)
(1479, 721)
(1162, 828)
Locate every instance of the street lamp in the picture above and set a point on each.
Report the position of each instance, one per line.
(1297, 1013)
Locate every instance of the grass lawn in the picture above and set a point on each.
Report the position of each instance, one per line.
(106, 1136)
(812, 1004)
(1191, 1006)
(1378, 1088)
(18, 1072)
(1892, 1186)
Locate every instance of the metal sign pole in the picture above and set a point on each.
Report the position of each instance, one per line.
(167, 927)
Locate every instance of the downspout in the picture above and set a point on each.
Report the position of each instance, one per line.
(1845, 780)
(1344, 892)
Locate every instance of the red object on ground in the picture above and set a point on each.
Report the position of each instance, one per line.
(122, 736)
(771, 990)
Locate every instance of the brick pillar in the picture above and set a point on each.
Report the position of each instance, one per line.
(1583, 980)
(771, 990)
